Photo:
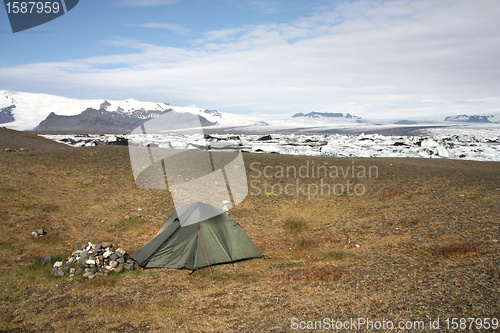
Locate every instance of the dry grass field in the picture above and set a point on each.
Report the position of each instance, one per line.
(422, 242)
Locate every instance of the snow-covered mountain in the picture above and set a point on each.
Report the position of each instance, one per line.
(26, 111)
(463, 118)
(327, 115)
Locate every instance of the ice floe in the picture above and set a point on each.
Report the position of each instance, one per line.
(453, 143)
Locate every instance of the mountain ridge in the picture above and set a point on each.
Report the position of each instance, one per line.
(463, 118)
(315, 114)
(108, 121)
(26, 111)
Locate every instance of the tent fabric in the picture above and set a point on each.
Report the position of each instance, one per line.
(188, 245)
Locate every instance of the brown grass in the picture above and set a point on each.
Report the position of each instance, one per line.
(321, 273)
(365, 260)
(395, 192)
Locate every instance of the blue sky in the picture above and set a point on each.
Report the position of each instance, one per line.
(370, 58)
(93, 28)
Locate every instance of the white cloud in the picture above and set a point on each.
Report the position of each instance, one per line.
(223, 35)
(267, 6)
(177, 28)
(397, 58)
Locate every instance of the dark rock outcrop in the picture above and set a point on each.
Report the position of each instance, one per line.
(6, 115)
(92, 120)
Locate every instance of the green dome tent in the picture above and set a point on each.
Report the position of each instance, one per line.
(187, 239)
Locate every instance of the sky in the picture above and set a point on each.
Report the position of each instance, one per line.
(385, 59)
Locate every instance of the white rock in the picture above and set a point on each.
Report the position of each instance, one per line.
(58, 264)
(120, 250)
(90, 262)
(107, 253)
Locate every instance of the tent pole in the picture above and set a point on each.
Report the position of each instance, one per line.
(206, 256)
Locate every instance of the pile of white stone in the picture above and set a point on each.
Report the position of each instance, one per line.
(14, 149)
(92, 260)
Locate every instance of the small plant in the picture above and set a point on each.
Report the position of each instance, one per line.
(5, 191)
(288, 265)
(6, 246)
(457, 248)
(395, 192)
(129, 224)
(109, 281)
(47, 208)
(307, 243)
(476, 197)
(325, 273)
(296, 224)
(410, 221)
(36, 268)
(339, 255)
